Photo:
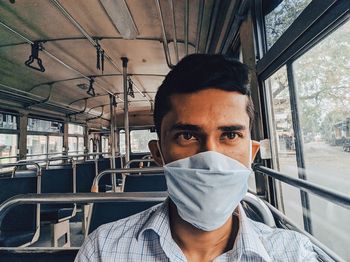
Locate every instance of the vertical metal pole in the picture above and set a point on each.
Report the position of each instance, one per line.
(112, 135)
(187, 14)
(305, 202)
(126, 109)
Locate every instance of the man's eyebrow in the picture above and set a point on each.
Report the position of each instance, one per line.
(232, 128)
(184, 126)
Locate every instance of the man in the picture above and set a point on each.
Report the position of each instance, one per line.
(203, 114)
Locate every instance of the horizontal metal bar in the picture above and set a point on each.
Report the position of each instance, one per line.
(328, 194)
(148, 170)
(8, 157)
(61, 198)
(283, 218)
(137, 161)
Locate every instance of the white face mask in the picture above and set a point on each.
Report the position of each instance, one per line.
(206, 188)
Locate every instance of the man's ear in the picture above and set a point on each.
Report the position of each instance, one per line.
(255, 149)
(153, 148)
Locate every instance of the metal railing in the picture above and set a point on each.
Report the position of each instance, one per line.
(325, 193)
(123, 171)
(38, 190)
(127, 165)
(79, 198)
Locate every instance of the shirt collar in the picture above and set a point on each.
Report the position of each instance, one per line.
(158, 222)
(247, 241)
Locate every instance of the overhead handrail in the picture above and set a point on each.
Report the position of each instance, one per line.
(78, 198)
(165, 40)
(325, 193)
(149, 170)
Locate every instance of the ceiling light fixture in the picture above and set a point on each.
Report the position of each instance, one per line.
(121, 17)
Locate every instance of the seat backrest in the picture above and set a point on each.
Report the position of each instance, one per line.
(256, 210)
(14, 220)
(103, 213)
(145, 183)
(38, 255)
(57, 181)
(104, 164)
(85, 176)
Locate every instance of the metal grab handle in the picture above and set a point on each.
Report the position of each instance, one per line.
(330, 195)
(55, 198)
(22, 163)
(149, 170)
(127, 165)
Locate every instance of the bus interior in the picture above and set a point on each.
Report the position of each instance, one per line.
(78, 81)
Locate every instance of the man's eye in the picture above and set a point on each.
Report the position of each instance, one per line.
(186, 136)
(229, 135)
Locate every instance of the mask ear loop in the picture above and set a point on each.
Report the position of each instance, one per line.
(250, 153)
(160, 152)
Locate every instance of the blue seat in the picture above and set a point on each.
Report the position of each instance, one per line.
(145, 183)
(30, 255)
(103, 213)
(85, 176)
(18, 226)
(105, 182)
(56, 181)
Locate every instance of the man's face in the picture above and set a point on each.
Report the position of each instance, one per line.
(208, 120)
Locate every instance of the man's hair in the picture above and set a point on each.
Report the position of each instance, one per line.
(199, 72)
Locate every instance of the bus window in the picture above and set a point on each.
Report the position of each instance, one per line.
(139, 140)
(105, 144)
(281, 17)
(8, 138)
(122, 142)
(36, 145)
(284, 141)
(323, 92)
(75, 139)
(313, 142)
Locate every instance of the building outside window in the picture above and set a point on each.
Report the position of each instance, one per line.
(8, 138)
(75, 139)
(44, 139)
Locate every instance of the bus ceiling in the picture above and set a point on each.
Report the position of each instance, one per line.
(73, 68)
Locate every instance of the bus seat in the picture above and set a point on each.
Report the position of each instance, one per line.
(145, 183)
(102, 213)
(85, 176)
(38, 255)
(256, 210)
(58, 181)
(17, 229)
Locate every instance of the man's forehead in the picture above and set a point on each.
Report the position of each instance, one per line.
(220, 108)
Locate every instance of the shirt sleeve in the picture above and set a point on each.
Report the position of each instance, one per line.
(88, 252)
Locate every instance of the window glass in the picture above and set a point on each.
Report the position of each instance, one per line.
(284, 143)
(281, 17)
(36, 145)
(72, 144)
(139, 140)
(8, 121)
(322, 77)
(81, 144)
(75, 129)
(105, 143)
(55, 144)
(122, 142)
(8, 148)
(40, 125)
